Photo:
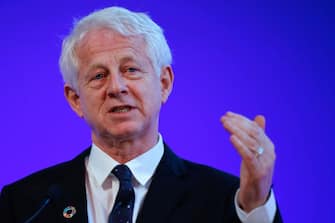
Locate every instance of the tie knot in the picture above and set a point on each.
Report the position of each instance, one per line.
(122, 172)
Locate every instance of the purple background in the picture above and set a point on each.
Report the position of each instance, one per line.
(271, 58)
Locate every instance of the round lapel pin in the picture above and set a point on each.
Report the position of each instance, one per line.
(69, 212)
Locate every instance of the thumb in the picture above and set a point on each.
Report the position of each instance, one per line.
(260, 120)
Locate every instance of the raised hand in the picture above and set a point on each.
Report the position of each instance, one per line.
(258, 158)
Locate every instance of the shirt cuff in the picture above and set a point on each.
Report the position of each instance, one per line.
(261, 214)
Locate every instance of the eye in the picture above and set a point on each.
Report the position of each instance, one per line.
(132, 69)
(99, 76)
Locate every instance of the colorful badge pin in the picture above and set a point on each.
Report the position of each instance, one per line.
(69, 212)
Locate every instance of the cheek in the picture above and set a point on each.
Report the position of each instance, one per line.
(91, 103)
(146, 94)
(153, 99)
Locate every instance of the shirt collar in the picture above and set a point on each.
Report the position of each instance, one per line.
(142, 167)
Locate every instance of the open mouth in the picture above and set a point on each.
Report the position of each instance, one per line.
(121, 109)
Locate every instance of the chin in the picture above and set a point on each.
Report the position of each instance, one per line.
(124, 132)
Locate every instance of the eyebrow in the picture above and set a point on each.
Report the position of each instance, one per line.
(128, 59)
(94, 67)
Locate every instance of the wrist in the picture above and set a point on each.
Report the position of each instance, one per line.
(249, 201)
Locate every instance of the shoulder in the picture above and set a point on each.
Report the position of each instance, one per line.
(199, 175)
(63, 181)
(50, 175)
(210, 176)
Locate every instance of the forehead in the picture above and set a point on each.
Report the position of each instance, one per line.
(104, 40)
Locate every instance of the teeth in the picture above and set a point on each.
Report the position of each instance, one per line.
(121, 109)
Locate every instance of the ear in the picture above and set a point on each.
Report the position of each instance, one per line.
(166, 79)
(73, 99)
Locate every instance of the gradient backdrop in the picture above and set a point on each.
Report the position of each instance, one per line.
(274, 58)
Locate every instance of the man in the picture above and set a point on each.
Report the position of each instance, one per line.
(116, 65)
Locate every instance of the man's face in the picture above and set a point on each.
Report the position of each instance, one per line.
(119, 94)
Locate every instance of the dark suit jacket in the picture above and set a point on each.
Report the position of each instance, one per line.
(180, 192)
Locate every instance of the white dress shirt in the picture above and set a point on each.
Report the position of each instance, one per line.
(102, 186)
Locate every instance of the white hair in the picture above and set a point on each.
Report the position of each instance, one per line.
(119, 20)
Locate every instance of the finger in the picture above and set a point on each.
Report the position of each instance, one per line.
(236, 118)
(243, 137)
(244, 152)
(258, 164)
(260, 120)
(230, 115)
(251, 128)
(245, 122)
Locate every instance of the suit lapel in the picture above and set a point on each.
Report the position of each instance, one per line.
(74, 190)
(167, 190)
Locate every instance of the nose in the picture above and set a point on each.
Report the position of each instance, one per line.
(117, 86)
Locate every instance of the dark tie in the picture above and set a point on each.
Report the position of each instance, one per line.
(124, 203)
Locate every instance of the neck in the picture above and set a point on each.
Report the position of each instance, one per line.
(125, 149)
